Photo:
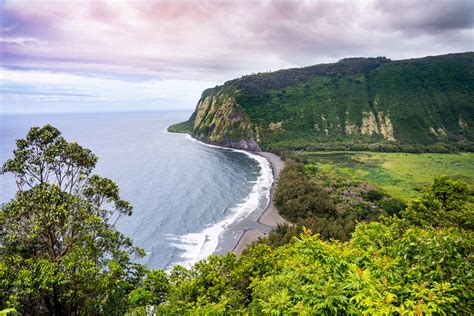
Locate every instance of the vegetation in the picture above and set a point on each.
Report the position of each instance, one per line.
(329, 193)
(403, 265)
(416, 105)
(183, 127)
(324, 204)
(401, 175)
(59, 251)
(61, 255)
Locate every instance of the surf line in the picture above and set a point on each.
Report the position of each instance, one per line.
(200, 245)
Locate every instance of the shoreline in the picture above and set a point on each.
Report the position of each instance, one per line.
(270, 216)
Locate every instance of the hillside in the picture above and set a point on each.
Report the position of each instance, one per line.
(424, 104)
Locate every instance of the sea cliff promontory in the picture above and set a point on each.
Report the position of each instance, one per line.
(353, 104)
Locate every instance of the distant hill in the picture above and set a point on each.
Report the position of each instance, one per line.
(423, 104)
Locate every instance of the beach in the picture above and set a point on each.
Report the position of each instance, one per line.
(270, 218)
(252, 226)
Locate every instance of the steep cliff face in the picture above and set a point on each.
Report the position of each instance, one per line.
(220, 120)
(357, 101)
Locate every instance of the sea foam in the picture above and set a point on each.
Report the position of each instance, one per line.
(198, 246)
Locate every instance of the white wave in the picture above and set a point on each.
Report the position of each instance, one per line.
(198, 246)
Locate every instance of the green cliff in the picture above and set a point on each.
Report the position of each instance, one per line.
(356, 103)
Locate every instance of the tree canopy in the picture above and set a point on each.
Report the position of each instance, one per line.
(60, 253)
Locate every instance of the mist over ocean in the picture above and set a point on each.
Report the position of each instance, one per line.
(185, 194)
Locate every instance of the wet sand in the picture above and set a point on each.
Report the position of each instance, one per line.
(270, 217)
(247, 237)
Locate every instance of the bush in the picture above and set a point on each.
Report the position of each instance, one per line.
(393, 206)
(374, 195)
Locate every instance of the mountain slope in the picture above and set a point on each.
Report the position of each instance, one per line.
(356, 103)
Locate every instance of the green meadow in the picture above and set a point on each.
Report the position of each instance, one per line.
(401, 175)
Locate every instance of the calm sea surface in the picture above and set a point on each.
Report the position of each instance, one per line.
(189, 199)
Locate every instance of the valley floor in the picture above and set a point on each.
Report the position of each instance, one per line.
(402, 175)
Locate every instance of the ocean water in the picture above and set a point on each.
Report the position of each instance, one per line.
(190, 199)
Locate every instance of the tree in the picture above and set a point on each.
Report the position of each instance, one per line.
(444, 204)
(151, 290)
(60, 253)
(452, 194)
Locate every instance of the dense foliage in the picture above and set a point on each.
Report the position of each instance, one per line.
(328, 205)
(395, 266)
(61, 255)
(415, 105)
(428, 102)
(59, 251)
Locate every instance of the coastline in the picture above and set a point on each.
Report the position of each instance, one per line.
(270, 216)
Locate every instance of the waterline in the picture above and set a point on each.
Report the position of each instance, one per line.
(200, 245)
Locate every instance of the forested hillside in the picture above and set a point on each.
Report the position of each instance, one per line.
(424, 104)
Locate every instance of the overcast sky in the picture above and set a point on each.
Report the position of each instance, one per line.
(142, 55)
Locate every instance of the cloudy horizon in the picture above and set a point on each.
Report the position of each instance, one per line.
(81, 56)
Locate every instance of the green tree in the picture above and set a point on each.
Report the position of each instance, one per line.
(152, 289)
(60, 253)
(444, 204)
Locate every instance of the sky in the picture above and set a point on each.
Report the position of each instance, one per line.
(116, 55)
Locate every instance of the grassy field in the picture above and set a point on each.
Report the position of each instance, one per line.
(401, 175)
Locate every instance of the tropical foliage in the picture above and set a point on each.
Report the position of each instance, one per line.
(395, 266)
(328, 205)
(60, 253)
(414, 105)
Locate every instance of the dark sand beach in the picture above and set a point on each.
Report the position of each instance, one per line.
(270, 217)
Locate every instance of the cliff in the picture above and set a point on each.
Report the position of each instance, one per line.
(356, 103)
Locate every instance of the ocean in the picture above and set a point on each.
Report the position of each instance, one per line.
(190, 199)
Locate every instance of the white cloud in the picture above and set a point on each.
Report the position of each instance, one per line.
(191, 45)
(41, 86)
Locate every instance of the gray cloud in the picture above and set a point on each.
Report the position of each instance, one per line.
(216, 40)
(163, 53)
(427, 16)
